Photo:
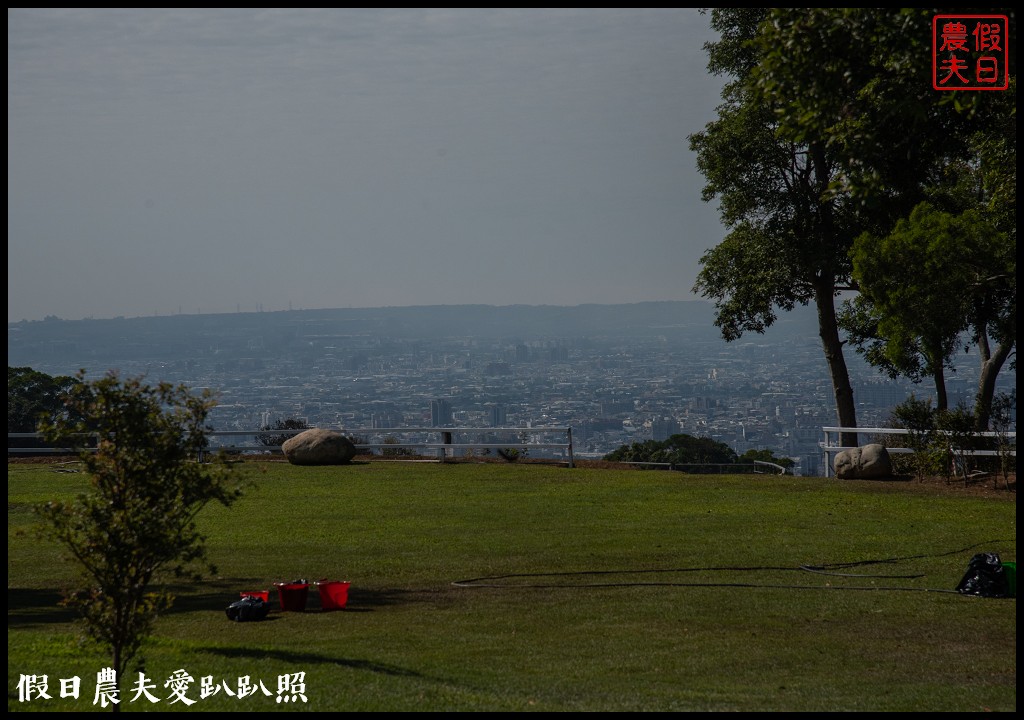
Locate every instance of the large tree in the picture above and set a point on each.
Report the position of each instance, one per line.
(929, 287)
(138, 521)
(860, 81)
(789, 230)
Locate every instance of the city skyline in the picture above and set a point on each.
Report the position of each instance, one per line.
(615, 374)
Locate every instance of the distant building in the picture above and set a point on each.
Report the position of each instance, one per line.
(440, 413)
(386, 419)
(558, 354)
(499, 416)
(664, 428)
(610, 408)
(497, 368)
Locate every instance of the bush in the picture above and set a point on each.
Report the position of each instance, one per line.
(511, 454)
(918, 417)
(395, 452)
(1004, 407)
(943, 441)
(955, 439)
(279, 439)
(679, 449)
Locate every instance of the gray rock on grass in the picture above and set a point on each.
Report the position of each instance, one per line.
(319, 447)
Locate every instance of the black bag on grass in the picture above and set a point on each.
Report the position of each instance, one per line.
(248, 608)
(985, 576)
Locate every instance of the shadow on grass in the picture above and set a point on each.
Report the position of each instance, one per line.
(26, 608)
(29, 607)
(359, 599)
(298, 658)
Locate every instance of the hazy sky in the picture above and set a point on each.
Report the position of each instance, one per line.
(207, 160)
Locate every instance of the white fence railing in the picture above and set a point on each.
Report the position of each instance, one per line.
(831, 445)
(439, 441)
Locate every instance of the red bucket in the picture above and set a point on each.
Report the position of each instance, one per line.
(263, 595)
(333, 594)
(293, 596)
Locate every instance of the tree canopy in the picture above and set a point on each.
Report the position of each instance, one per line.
(830, 135)
(33, 396)
(924, 288)
(679, 449)
(789, 234)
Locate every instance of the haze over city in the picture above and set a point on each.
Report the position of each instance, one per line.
(165, 161)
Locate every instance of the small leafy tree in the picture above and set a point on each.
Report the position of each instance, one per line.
(918, 417)
(1004, 406)
(957, 436)
(138, 520)
(941, 440)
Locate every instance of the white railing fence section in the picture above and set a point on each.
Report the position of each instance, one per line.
(442, 442)
(831, 445)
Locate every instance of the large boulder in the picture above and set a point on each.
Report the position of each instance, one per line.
(868, 462)
(319, 447)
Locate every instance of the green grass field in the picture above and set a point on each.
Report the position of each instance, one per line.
(490, 587)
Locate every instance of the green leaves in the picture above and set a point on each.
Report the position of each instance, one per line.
(935, 281)
(32, 395)
(147, 487)
(679, 449)
(831, 131)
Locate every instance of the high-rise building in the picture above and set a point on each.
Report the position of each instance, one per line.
(386, 419)
(499, 416)
(663, 428)
(440, 413)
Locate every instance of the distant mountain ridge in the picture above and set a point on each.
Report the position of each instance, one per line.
(487, 320)
(32, 342)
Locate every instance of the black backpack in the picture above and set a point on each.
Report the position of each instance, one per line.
(986, 577)
(248, 608)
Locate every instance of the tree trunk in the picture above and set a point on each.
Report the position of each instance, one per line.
(939, 377)
(828, 330)
(987, 385)
(118, 669)
(824, 284)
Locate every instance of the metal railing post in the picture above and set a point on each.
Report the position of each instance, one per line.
(568, 433)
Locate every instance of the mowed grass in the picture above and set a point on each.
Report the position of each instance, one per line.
(489, 587)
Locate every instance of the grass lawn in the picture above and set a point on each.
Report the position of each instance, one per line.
(523, 587)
